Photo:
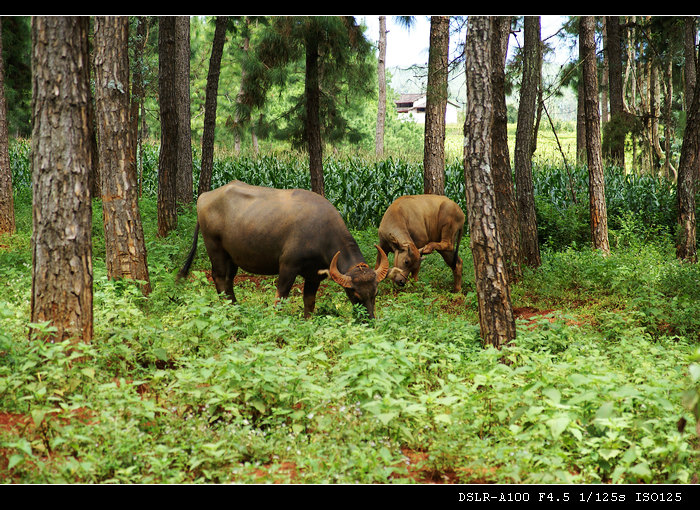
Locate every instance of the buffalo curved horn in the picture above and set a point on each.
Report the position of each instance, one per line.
(382, 267)
(341, 279)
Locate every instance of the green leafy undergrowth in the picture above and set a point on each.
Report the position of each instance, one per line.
(181, 386)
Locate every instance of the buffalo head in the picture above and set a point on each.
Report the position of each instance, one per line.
(406, 263)
(360, 281)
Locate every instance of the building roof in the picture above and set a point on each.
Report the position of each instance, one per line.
(407, 102)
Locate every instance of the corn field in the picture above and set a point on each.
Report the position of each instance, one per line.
(362, 188)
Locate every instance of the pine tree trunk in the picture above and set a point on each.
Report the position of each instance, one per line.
(529, 244)
(313, 121)
(210, 102)
(669, 169)
(7, 204)
(496, 320)
(500, 158)
(605, 75)
(168, 158)
(617, 149)
(125, 248)
(137, 90)
(436, 103)
(381, 79)
(691, 64)
(689, 40)
(596, 187)
(182, 92)
(95, 178)
(655, 108)
(62, 212)
(580, 124)
(237, 127)
(688, 169)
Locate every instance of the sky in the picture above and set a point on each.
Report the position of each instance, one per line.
(406, 47)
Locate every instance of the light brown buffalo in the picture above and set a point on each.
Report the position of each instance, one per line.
(285, 232)
(416, 225)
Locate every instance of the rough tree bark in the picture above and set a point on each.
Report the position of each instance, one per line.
(596, 186)
(496, 319)
(125, 248)
(7, 204)
(689, 73)
(313, 121)
(237, 126)
(691, 64)
(169, 146)
(137, 92)
(688, 169)
(436, 103)
(62, 212)
(182, 92)
(500, 159)
(529, 244)
(381, 79)
(614, 52)
(217, 50)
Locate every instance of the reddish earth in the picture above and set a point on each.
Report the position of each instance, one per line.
(414, 464)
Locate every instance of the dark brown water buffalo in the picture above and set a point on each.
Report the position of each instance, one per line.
(285, 232)
(416, 225)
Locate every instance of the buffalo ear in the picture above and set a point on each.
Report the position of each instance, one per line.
(341, 279)
(382, 267)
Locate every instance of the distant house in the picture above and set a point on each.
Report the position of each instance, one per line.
(412, 107)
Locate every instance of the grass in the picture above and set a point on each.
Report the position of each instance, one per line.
(182, 387)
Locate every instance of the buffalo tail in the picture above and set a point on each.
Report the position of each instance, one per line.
(190, 257)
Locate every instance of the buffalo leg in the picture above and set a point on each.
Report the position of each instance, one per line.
(444, 245)
(222, 268)
(447, 241)
(310, 288)
(454, 262)
(284, 284)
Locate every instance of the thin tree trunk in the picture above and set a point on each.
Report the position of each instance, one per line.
(182, 92)
(596, 187)
(655, 104)
(496, 319)
(614, 52)
(137, 91)
(237, 127)
(580, 124)
(210, 102)
(630, 81)
(691, 64)
(313, 121)
(689, 41)
(529, 244)
(7, 203)
(646, 109)
(500, 158)
(381, 79)
(125, 248)
(95, 178)
(669, 169)
(539, 103)
(436, 103)
(169, 146)
(688, 169)
(605, 75)
(62, 211)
